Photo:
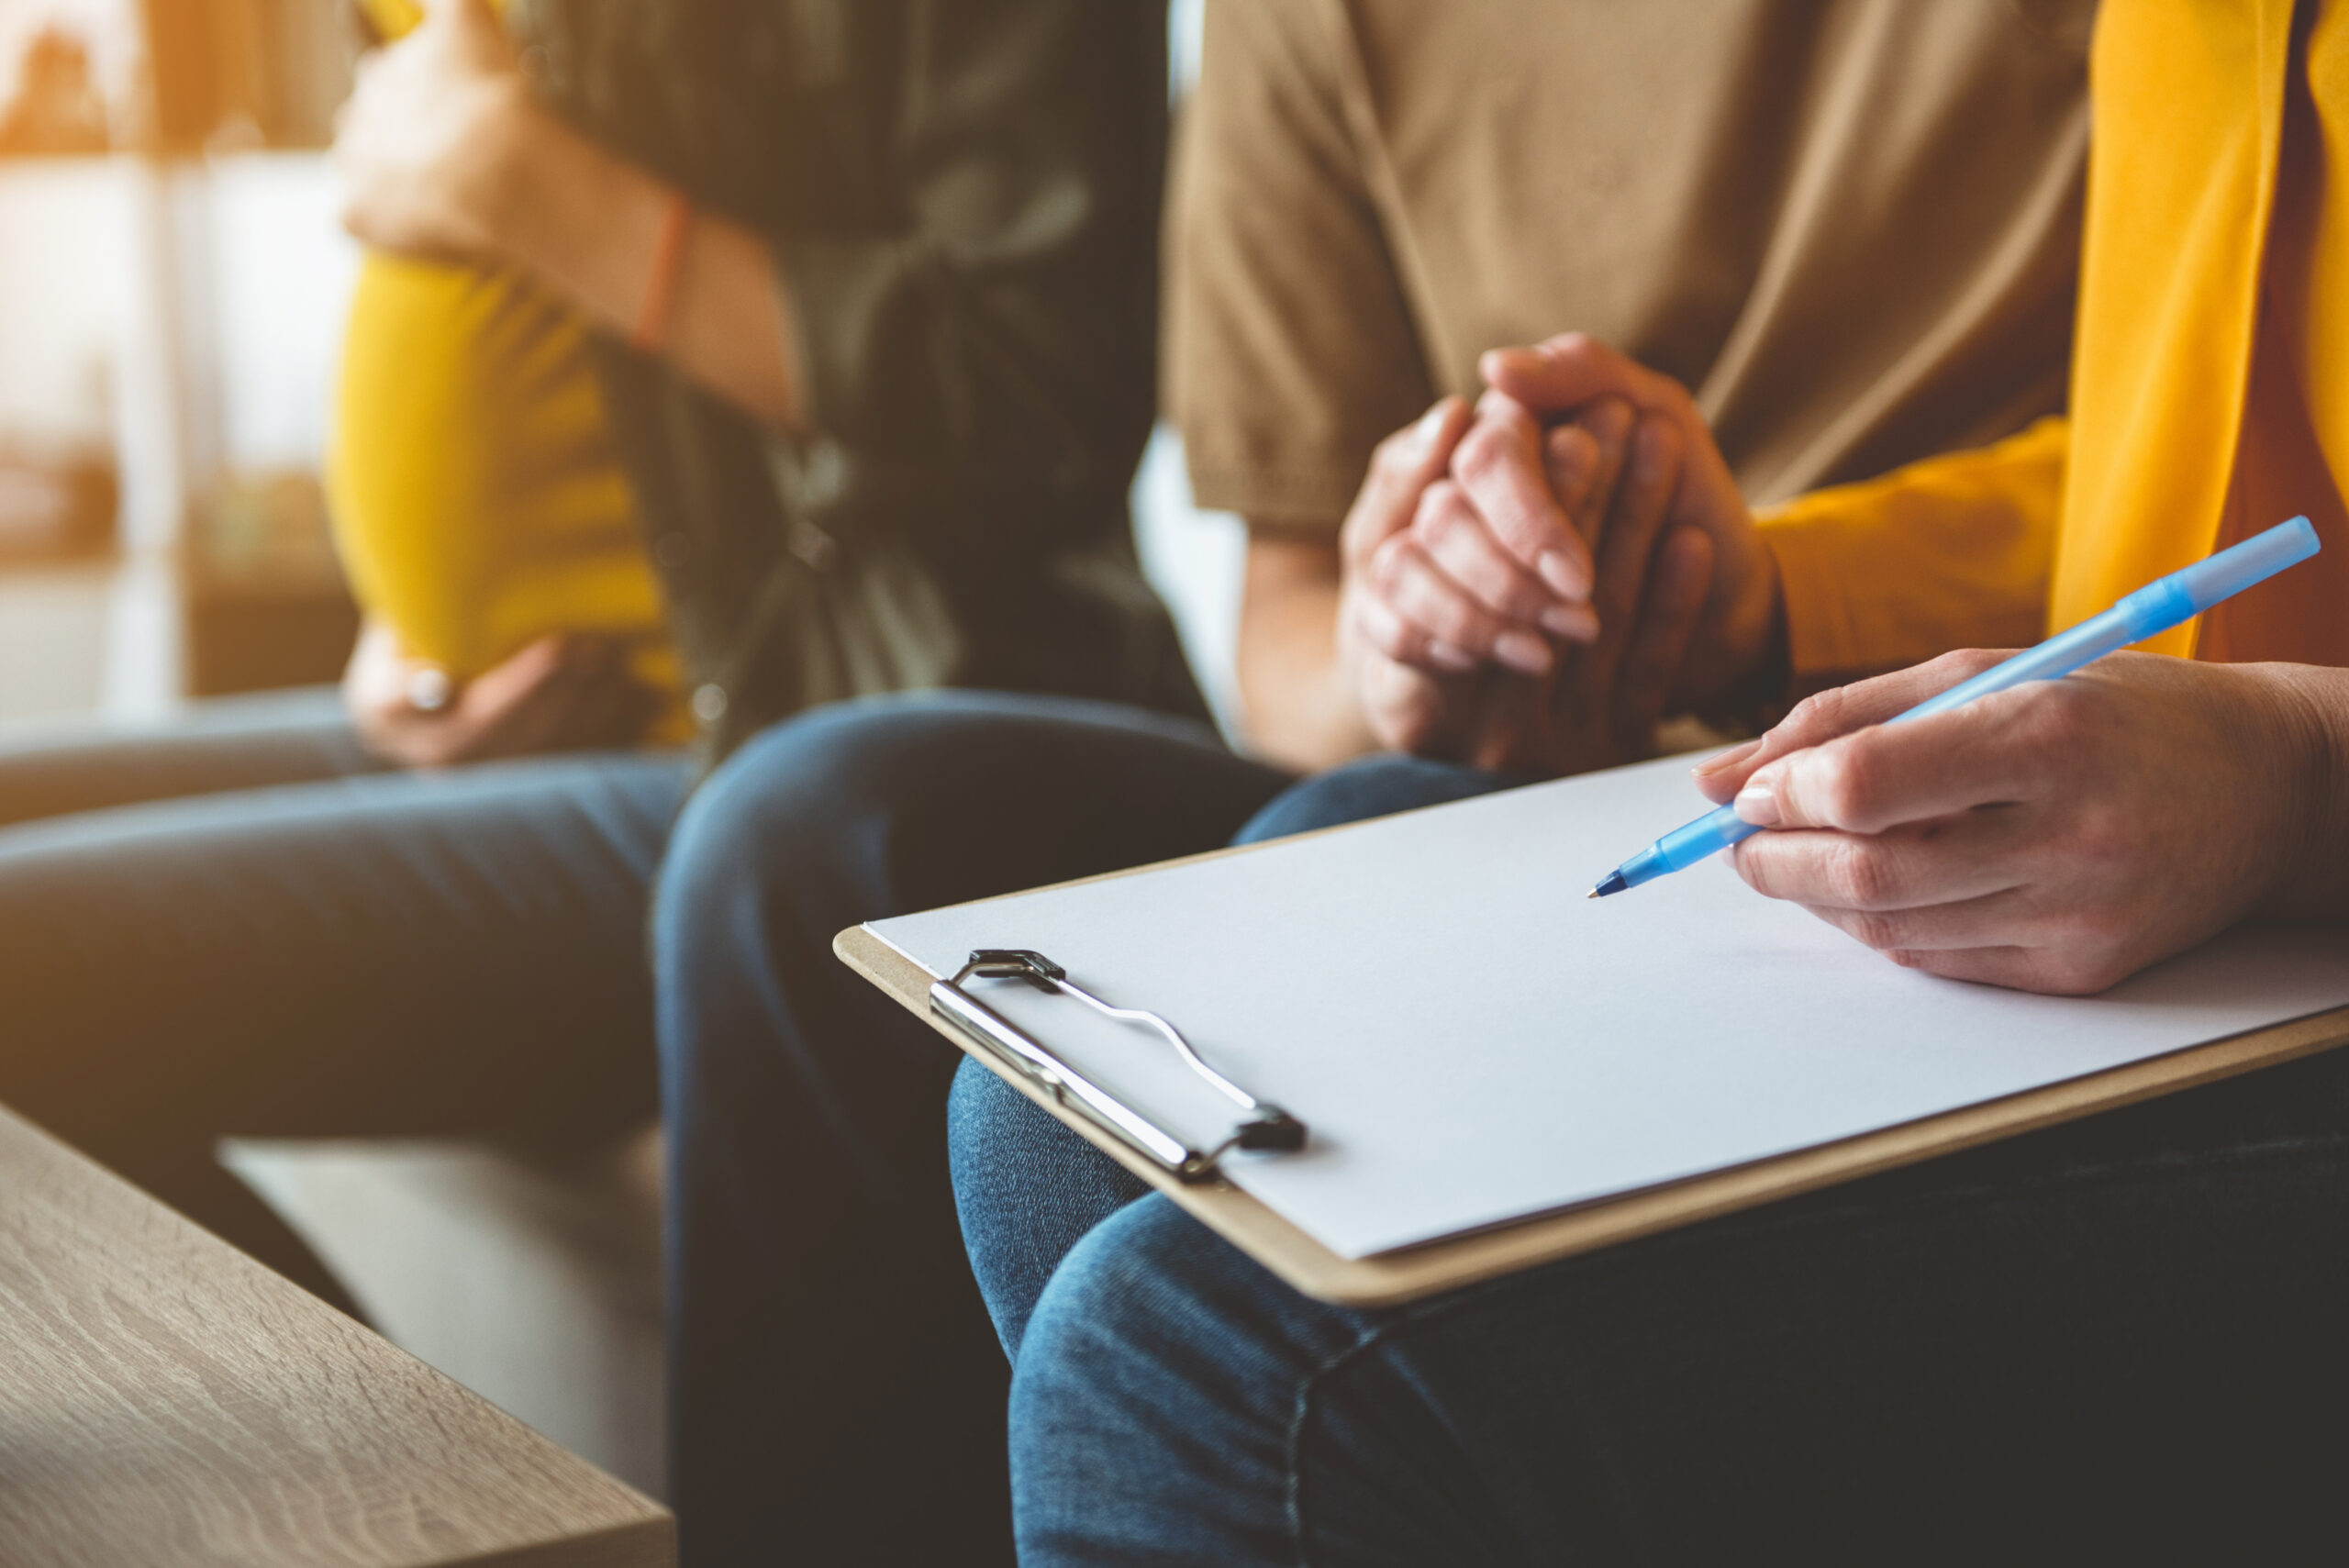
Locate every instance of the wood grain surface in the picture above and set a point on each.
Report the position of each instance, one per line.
(164, 1400)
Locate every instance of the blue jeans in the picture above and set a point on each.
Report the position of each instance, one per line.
(2125, 1341)
(836, 1396)
(236, 923)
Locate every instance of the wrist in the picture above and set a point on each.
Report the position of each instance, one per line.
(1332, 719)
(2312, 881)
(505, 138)
(1752, 687)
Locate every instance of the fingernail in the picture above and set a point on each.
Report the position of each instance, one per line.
(1758, 804)
(1559, 572)
(1728, 759)
(1502, 362)
(1564, 453)
(1445, 656)
(1576, 623)
(1523, 651)
(1424, 433)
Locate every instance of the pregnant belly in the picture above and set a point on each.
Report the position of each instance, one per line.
(477, 498)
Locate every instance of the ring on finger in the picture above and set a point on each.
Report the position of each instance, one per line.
(430, 689)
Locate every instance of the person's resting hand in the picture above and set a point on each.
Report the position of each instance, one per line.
(1617, 474)
(1739, 631)
(1653, 577)
(1397, 695)
(1454, 650)
(2060, 835)
(420, 144)
(1430, 583)
(560, 693)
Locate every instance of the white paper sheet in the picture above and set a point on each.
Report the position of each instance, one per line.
(1471, 1040)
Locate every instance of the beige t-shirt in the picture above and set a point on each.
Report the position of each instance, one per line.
(1852, 227)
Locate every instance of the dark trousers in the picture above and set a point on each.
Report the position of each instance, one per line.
(815, 1263)
(2124, 1340)
(236, 923)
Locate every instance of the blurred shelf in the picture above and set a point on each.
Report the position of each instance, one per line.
(265, 605)
(58, 506)
(266, 642)
(65, 161)
(248, 73)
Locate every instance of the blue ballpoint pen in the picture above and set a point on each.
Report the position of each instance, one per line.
(2150, 610)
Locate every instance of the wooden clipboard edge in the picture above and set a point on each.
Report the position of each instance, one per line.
(1393, 1278)
(1244, 1221)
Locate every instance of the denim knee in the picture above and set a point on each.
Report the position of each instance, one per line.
(783, 815)
(778, 851)
(1151, 1283)
(1027, 1189)
(1154, 1398)
(1375, 786)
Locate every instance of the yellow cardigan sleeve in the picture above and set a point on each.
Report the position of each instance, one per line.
(392, 18)
(1955, 552)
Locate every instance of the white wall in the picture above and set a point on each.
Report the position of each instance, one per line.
(282, 275)
(1184, 20)
(1194, 558)
(67, 239)
(80, 368)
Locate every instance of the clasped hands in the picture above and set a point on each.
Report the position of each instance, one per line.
(1532, 583)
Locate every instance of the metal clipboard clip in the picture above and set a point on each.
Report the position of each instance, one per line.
(1262, 1126)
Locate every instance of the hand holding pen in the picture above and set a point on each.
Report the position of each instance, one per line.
(2050, 834)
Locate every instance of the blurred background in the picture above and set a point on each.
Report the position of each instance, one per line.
(172, 288)
(172, 292)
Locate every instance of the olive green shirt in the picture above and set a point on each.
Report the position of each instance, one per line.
(963, 200)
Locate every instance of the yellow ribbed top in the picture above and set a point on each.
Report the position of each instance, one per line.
(478, 501)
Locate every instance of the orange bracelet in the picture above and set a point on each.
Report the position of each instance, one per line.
(651, 334)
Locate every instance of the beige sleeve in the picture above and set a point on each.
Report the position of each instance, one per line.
(1290, 349)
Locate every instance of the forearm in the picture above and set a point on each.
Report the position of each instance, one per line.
(1299, 712)
(589, 225)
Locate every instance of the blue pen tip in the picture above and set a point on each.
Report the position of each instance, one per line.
(1613, 885)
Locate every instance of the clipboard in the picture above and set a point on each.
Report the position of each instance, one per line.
(1397, 1277)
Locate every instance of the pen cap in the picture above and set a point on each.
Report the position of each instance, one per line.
(2181, 595)
(2151, 610)
(2260, 557)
